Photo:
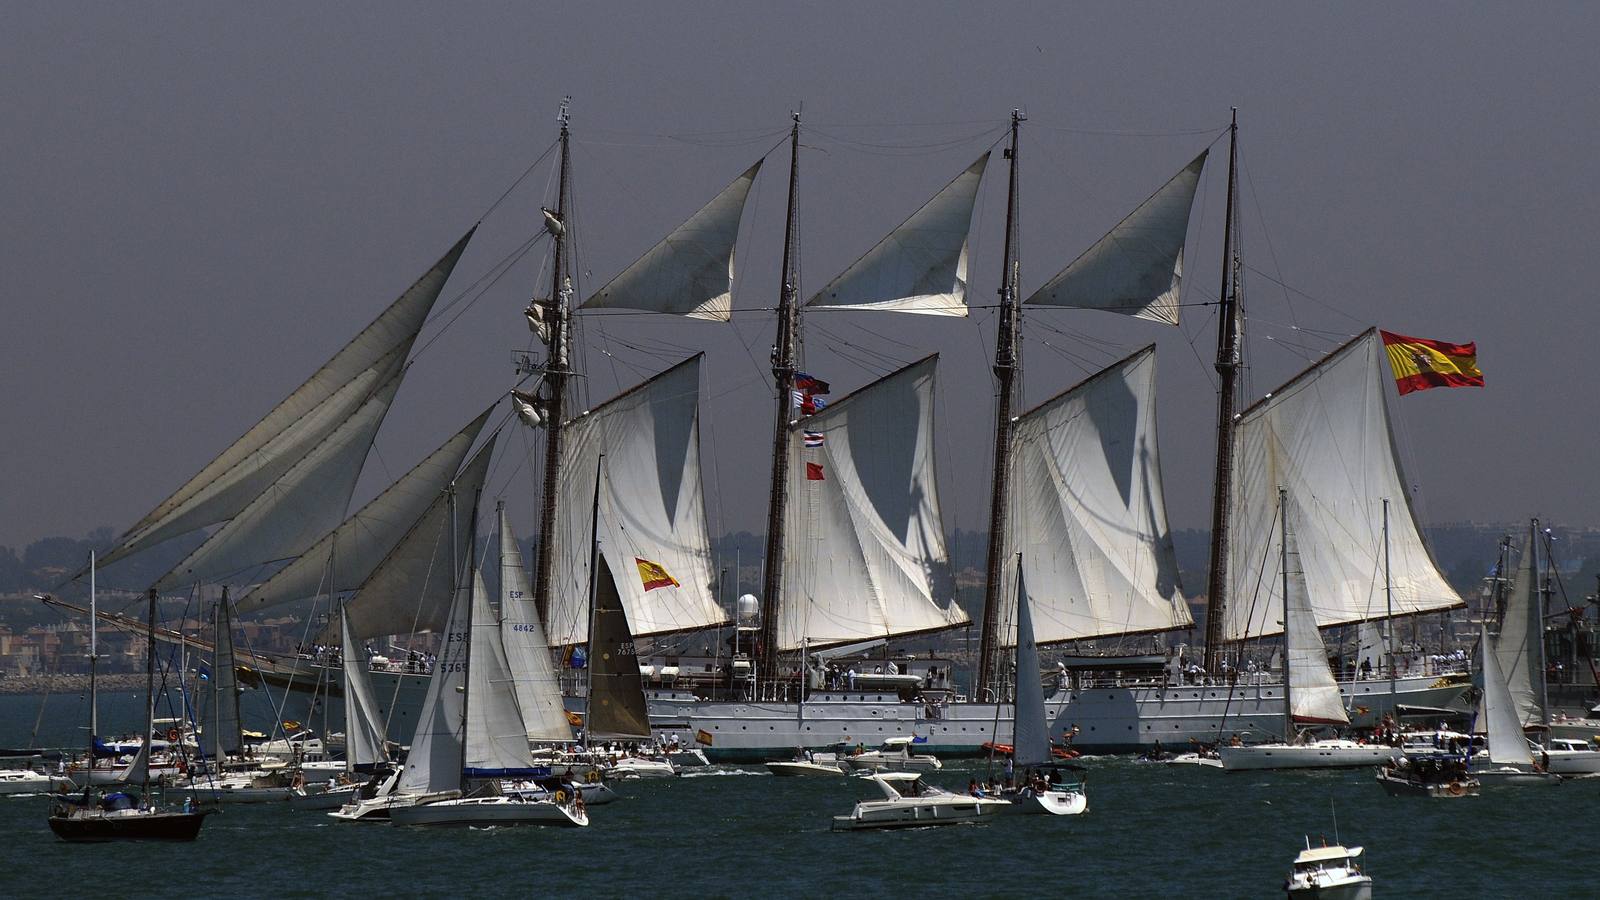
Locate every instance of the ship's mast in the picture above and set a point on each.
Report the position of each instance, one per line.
(1227, 365)
(1007, 371)
(784, 365)
(556, 372)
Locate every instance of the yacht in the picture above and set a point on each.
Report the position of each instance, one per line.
(894, 755)
(1329, 872)
(909, 802)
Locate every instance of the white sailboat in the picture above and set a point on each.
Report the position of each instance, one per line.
(1041, 789)
(1507, 760)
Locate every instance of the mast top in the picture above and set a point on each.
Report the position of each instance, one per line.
(563, 115)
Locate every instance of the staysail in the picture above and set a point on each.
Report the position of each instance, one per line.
(295, 426)
(1031, 732)
(363, 729)
(1313, 694)
(690, 272)
(496, 739)
(369, 536)
(653, 509)
(1514, 647)
(920, 266)
(1137, 267)
(1088, 514)
(863, 536)
(616, 691)
(533, 675)
(1325, 438)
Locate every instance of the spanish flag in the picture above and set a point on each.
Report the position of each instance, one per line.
(1420, 364)
(702, 737)
(653, 575)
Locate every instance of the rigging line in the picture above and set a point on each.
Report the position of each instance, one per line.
(1220, 132)
(902, 149)
(506, 269)
(507, 260)
(1313, 298)
(520, 178)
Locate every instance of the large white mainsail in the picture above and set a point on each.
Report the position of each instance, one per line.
(1324, 437)
(366, 538)
(1030, 743)
(863, 534)
(920, 266)
(1313, 694)
(1088, 514)
(1498, 710)
(298, 508)
(1514, 647)
(690, 272)
(533, 675)
(1137, 267)
(653, 508)
(363, 730)
(496, 739)
(290, 431)
(434, 760)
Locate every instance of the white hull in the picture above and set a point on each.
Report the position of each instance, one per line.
(805, 769)
(1359, 888)
(1493, 776)
(635, 767)
(25, 782)
(1317, 755)
(1575, 762)
(316, 798)
(379, 809)
(919, 813)
(876, 761)
(489, 811)
(593, 794)
(1048, 803)
(240, 794)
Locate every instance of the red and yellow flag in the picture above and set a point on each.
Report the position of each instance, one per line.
(1420, 363)
(654, 575)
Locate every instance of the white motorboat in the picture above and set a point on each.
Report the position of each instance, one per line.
(687, 758)
(640, 767)
(327, 795)
(894, 755)
(243, 787)
(909, 802)
(1329, 872)
(1208, 759)
(28, 781)
(803, 767)
(1568, 756)
(497, 810)
(1329, 753)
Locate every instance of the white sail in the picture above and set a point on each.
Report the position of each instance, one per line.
(434, 760)
(497, 740)
(411, 589)
(138, 768)
(1515, 649)
(1313, 694)
(1498, 710)
(366, 538)
(533, 675)
(652, 507)
(920, 266)
(691, 271)
(301, 506)
(863, 535)
(1372, 651)
(1137, 267)
(1030, 745)
(1324, 437)
(1087, 510)
(283, 436)
(363, 729)
(229, 738)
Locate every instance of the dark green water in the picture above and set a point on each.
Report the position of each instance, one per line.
(1150, 831)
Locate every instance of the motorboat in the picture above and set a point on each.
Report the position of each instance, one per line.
(324, 796)
(259, 786)
(1434, 774)
(1572, 757)
(686, 757)
(641, 767)
(1332, 872)
(564, 810)
(807, 763)
(1206, 758)
(31, 781)
(1327, 753)
(910, 802)
(1049, 791)
(894, 755)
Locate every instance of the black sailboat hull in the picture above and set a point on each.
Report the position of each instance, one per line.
(173, 826)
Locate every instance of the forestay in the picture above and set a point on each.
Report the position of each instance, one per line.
(365, 539)
(1031, 730)
(296, 425)
(920, 266)
(863, 536)
(1137, 267)
(533, 676)
(690, 272)
(496, 739)
(1088, 514)
(1515, 648)
(652, 508)
(1313, 694)
(1324, 437)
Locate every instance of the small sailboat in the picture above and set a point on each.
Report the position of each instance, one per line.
(1507, 760)
(910, 802)
(1329, 872)
(364, 747)
(616, 710)
(1042, 789)
(1313, 695)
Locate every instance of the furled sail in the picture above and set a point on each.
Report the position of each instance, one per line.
(363, 728)
(863, 537)
(1088, 514)
(1325, 438)
(302, 505)
(533, 675)
(1313, 694)
(652, 509)
(295, 426)
(691, 271)
(921, 266)
(1498, 710)
(496, 739)
(434, 760)
(1137, 267)
(616, 691)
(366, 538)
(1515, 648)
(1031, 731)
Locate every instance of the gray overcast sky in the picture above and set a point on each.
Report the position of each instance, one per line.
(201, 202)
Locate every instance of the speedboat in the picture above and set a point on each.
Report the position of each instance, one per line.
(29, 781)
(1328, 753)
(1332, 872)
(641, 767)
(909, 802)
(894, 755)
(1428, 775)
(1047, 792)
(807, 763)
(1569, 756)
(499, 809)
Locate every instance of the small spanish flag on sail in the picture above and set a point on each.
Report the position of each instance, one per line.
(1420, 364)
(654, 575)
